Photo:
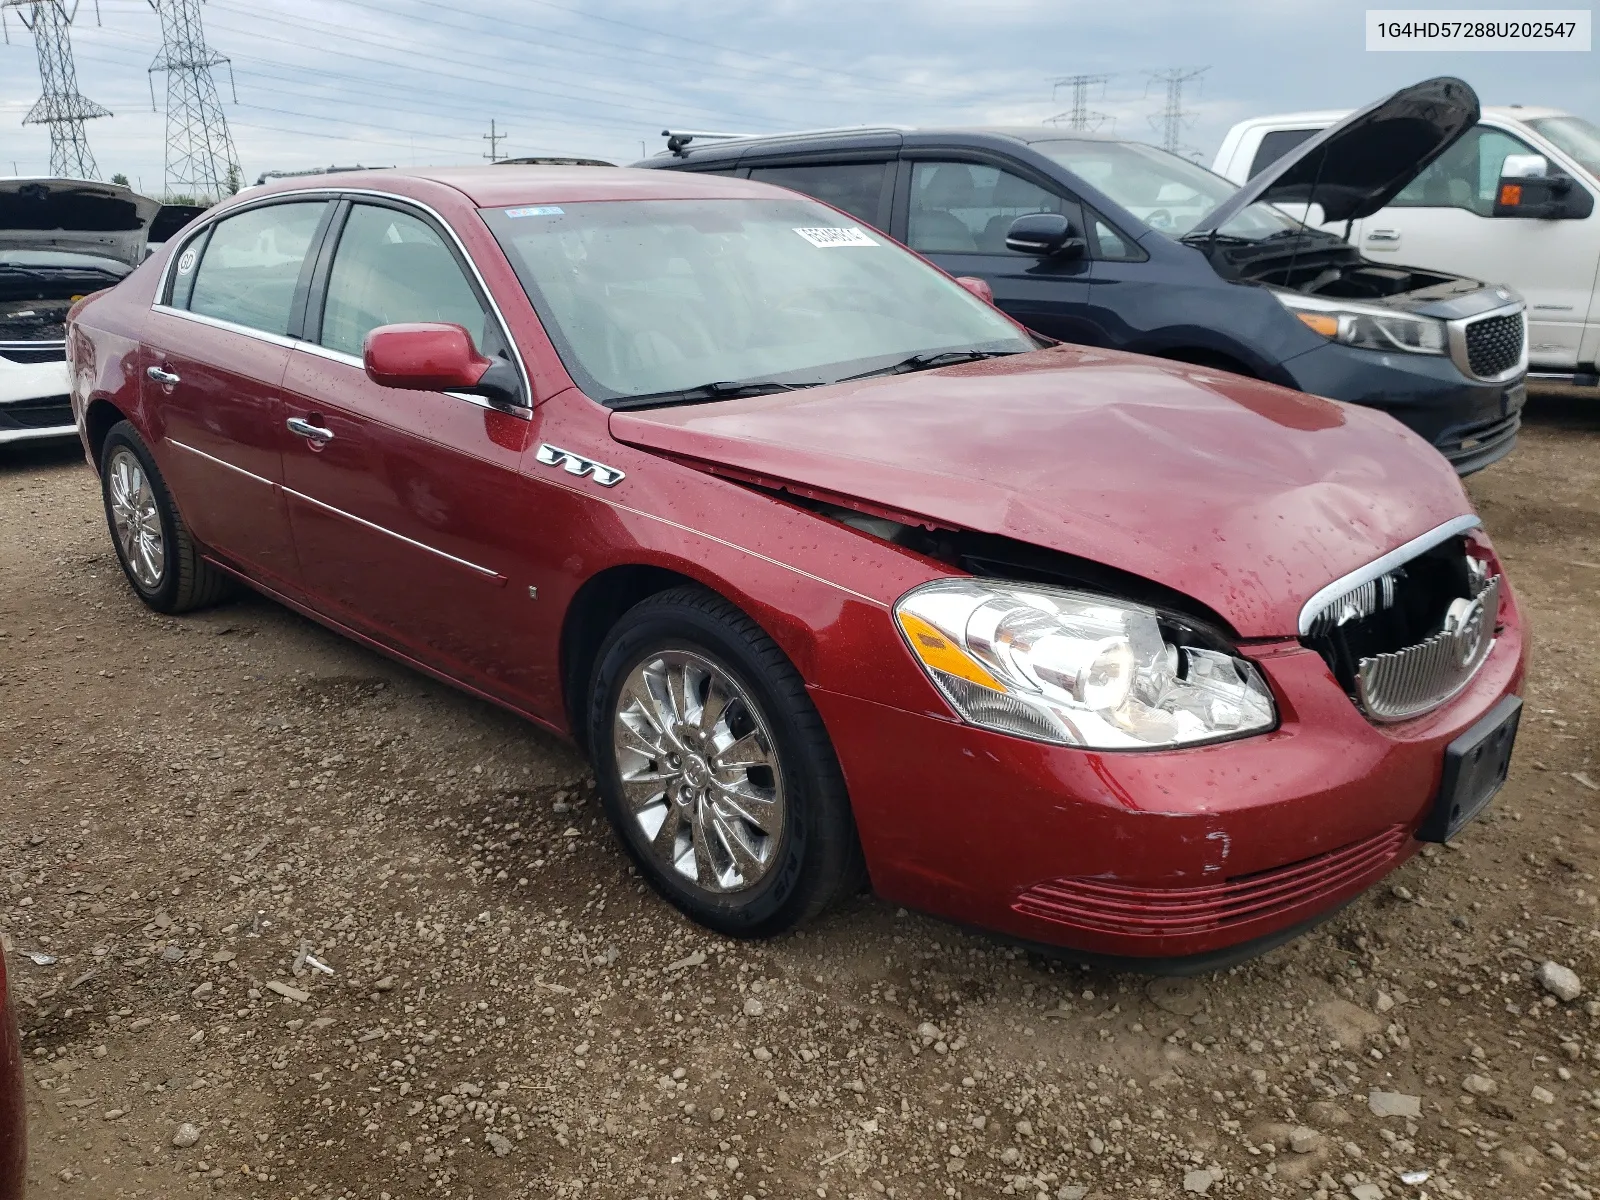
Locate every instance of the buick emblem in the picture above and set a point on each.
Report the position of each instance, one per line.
(1464, 622)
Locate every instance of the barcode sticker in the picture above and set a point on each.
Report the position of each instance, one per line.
(826, 237)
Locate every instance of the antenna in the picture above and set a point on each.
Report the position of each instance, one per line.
(1079, 116)
(494, 138)
(201, 158)
(60, 106)
(1173, 117)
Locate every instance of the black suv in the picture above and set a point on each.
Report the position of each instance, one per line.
(1105, 242)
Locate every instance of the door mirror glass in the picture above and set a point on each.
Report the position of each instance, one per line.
(978, 287)
(423, 356)
(1046, 235)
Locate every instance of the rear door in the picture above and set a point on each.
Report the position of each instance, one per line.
(1444, 220)
(956, 209)
(406, 504)
(216, 348)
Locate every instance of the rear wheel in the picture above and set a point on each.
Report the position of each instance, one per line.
(153, 544)
(715, 769)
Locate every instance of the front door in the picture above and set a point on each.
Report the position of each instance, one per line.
(957, 213)
(216, 351)
(407, 506)
(1443, 220)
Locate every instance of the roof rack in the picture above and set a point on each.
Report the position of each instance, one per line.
(679, 139)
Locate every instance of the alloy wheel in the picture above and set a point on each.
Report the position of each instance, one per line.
(136, 518)
(699, 771)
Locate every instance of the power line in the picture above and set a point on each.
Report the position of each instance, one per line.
(61, 107)
(1079, 116)
(1173, 116)
(200, 158)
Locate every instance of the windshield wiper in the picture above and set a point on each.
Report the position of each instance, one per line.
(718, 390)
(930, 359)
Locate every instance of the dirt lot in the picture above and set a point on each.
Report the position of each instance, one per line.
(188, 806)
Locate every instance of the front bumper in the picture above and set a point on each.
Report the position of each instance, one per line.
(1472, 423)
(34, 400)
(1157, 855)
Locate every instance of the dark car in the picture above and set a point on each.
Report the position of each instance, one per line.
(13, 1133)
(1109, 242)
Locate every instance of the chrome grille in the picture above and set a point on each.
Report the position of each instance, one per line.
(1392, 687)
(1360, 601)
(1494, 345)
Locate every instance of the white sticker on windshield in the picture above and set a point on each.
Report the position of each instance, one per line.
(537, 210)
(826, 237)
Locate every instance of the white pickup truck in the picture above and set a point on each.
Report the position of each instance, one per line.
(1452, 218)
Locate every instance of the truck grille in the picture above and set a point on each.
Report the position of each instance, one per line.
(1494, 345)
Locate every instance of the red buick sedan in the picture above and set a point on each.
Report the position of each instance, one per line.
(13, 1127)
(832, 569)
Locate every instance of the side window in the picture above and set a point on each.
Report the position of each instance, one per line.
(854, 187)
(1465, 175)
(1108, 244)
(391, 267)
(963, 207)
(1275, 145)
(250, 266)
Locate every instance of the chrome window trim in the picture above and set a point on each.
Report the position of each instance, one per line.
(260, 335)
(1455, 333)
(1399, 556)
(220, 462)
(484, 571)
(335, 193)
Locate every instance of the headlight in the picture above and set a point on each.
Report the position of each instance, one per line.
(1077, 669)
(1370, 328)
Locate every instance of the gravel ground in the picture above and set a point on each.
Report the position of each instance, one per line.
(198, 815)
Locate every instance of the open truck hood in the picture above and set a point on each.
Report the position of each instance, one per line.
(1354, 168)
(1242, 495)
(76, 215)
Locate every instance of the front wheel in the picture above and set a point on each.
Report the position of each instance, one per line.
(715, 769)
(153, 544)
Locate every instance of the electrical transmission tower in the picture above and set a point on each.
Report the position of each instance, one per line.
(60, 105)
(1079, 116)
(494, 138)
(1173, 117)
(201, 159)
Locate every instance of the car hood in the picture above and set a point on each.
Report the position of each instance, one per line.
(75, 215)
(1354, 168)
(1242, 495)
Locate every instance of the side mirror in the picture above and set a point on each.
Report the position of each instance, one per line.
(1529, 187)
(1045, 235)
(978, 287)
(427, 356)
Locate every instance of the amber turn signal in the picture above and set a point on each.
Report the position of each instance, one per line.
(1324, 323)
(1510, 194)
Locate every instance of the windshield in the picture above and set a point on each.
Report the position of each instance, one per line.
(1574, 136)
(1164, 191)
(651, 296)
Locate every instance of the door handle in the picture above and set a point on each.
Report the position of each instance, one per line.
(1384, 235)
(164, 377)
(307, 430)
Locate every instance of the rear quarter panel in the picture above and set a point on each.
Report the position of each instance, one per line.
(105, 351)
(13, 1134)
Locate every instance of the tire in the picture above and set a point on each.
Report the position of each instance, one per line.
(782, 804)
(157, 553)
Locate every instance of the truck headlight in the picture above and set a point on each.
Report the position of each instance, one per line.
(1366, 326)
(1078, 669)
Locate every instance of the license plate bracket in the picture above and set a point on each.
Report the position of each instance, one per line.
(1475, 767)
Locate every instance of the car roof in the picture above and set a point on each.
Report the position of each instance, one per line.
(1504, 112)
(499, 184)
(865, 137)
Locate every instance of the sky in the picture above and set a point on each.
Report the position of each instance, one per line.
(417, 82)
